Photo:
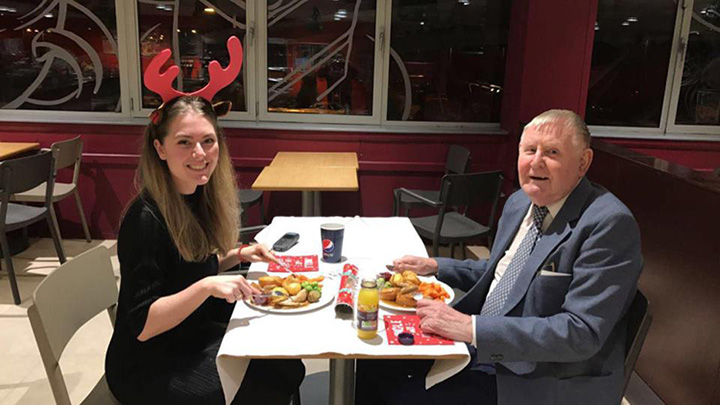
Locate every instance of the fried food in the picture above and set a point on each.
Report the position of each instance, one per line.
(274, 281)
(411, 277)
(389, 294)
(409, 289)
(406, 300)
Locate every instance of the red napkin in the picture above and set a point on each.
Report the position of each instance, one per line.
(297, 264)
(397, 324)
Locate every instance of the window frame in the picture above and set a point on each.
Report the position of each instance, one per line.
(667, 129)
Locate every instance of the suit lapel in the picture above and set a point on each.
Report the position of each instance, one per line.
(559, 229)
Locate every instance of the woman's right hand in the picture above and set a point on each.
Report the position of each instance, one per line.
(231, 288)
(420, 265)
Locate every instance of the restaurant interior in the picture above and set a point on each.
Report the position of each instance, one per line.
(395, 85)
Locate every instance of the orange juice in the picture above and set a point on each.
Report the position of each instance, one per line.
(367, 309)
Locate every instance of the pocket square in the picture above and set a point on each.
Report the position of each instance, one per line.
(553, 273)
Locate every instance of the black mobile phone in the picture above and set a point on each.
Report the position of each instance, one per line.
(287, 241)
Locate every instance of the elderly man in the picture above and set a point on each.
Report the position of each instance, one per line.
(543, 315)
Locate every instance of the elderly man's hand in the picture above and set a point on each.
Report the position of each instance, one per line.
(420, 265)
(439, 319)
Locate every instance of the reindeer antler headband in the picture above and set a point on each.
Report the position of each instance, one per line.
(161, 83)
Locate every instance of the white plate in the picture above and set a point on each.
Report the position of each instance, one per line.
(325, 299)
(395, 307)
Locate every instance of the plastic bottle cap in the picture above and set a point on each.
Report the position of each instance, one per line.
(406, 339)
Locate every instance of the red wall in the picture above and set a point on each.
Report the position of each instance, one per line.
(387, 161)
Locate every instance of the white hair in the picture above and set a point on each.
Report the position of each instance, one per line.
(566, 119)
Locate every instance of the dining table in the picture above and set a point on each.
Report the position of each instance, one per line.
(310, 173)
(16, 149)
(370, 244)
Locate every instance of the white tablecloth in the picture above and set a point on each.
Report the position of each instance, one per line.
(369, 243)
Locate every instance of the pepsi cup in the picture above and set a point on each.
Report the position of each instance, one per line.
(332, 240)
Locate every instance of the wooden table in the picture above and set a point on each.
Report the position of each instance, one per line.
(13, 149)
(317, 159)
(310, 173)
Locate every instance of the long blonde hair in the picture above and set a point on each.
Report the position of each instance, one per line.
(215, 228)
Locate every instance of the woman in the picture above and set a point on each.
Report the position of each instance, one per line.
(175, 237)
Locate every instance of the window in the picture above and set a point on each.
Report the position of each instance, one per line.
(376, 63)
(699, 95)
(630, 62)
(321, 57)
(197, 34)
(59, 56)
(447, 60)
(656, 68)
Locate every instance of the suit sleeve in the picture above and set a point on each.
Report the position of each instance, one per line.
(460, 274)
(605, 275)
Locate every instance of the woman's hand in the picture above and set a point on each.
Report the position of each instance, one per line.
(420, 265)
(258, 253)
(231, 288)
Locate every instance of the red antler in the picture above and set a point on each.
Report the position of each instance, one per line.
(161, 83)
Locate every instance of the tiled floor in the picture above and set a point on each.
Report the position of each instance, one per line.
(22, 376)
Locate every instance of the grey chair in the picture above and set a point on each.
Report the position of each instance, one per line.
(638, 319)
(16, 176)
(457, 162)
(66, 300)
(458, 194)
(66, 153)
(248, 198)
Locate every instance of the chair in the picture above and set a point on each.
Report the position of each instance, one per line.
(456, 163)
(458, 193)
(248, 198)
(63, 302)
(16, 176)
(65, 153)
(638, 319)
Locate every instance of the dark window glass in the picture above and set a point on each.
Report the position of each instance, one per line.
(699, 102)
(447, 60)
(59, 56)
(631, 55)
(197, 34)
(320, 56)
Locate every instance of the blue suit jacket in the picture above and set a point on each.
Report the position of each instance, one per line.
(561, 339)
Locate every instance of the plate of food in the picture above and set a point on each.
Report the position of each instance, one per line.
(399, 292)
(293, 294)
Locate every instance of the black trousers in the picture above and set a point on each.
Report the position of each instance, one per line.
(381, 382)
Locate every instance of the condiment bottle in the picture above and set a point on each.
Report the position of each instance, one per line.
(367, 309)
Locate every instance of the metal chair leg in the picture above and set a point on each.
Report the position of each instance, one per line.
(56, 240)
(55, 224)
(7, 257)
(462, 250)
(83, 221)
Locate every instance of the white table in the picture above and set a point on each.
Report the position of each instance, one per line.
(369, 243)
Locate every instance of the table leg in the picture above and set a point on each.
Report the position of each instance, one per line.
(316, 205)
(308, 203)
(342, 382)
(311, 203)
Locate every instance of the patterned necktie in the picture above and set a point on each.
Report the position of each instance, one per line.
(496, 299)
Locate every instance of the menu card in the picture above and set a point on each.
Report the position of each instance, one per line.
(397, 324)
(295, 264)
